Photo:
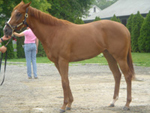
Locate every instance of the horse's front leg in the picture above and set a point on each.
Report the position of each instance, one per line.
(62, 66)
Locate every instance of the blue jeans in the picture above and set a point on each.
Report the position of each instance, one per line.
(30, 54)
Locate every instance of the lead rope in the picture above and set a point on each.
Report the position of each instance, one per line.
(5, 62)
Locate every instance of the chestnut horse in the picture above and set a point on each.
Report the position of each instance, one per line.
(66, 42)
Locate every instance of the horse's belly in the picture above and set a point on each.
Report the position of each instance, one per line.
(84, 52)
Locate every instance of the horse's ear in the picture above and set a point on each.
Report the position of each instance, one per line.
(26, 5)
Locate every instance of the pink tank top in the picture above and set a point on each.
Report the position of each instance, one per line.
(29, 36)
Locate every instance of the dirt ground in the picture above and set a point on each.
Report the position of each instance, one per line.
(92, 87)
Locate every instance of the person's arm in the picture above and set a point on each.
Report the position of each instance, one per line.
(37, 44)
(19, 34)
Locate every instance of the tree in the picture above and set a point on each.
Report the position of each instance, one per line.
(144, 39)
(69, 9)
(42, 5)
(136, 26)
(129, 23)
(97, 18)
(114, 18)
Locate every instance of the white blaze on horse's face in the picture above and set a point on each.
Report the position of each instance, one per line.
(7, 22)
(9, 19)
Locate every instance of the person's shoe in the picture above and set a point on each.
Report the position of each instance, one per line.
(29, 77)
(35, 77)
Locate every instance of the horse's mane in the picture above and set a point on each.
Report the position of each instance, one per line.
(46, 18)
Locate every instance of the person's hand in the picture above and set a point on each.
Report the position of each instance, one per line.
(5, 38)
(3, 49)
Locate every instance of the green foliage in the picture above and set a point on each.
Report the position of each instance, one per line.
(97, 18)
(144, 39)
(114, 18)
(20, 49)
(129, 22)
(41, 52)
(102, 4)
(69, 9)
(78, 21)
(135, 33)
(42, 5)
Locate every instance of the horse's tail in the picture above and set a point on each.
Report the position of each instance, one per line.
(130, 63)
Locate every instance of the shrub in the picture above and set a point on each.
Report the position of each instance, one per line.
(97, 18)
(20, 49)
(41, 52)
(144, 39)
(135, 33)
(114, 18)
(78, 21)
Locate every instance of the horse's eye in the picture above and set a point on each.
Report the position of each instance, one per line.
(18, 14)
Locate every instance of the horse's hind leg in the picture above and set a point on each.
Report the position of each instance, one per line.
(116, 73)
(128, 77)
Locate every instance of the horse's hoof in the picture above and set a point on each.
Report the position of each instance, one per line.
(111, 105)
(68, 108)
(126, 108)
(62, 111)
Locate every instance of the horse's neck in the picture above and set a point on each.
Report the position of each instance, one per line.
(45, 27)
(46, 18)
(43, 24)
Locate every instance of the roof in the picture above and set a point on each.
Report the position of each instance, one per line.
(123, 8)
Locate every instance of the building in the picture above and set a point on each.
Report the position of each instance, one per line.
(122, 9)
(93, 10)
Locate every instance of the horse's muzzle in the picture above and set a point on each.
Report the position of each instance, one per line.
(7, 31)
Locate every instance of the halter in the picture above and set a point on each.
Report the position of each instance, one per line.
(24, 22)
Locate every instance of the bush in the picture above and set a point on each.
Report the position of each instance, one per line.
(135, 33)
(20, 49)
(114, 18)
(144, 39)
(97, 18)
(79, 21)
(41, 52)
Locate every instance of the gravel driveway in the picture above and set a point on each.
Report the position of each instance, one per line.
(92, 87)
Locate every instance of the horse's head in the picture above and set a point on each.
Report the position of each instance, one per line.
(18, 19)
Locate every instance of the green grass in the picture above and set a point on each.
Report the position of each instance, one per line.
(139, 59)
